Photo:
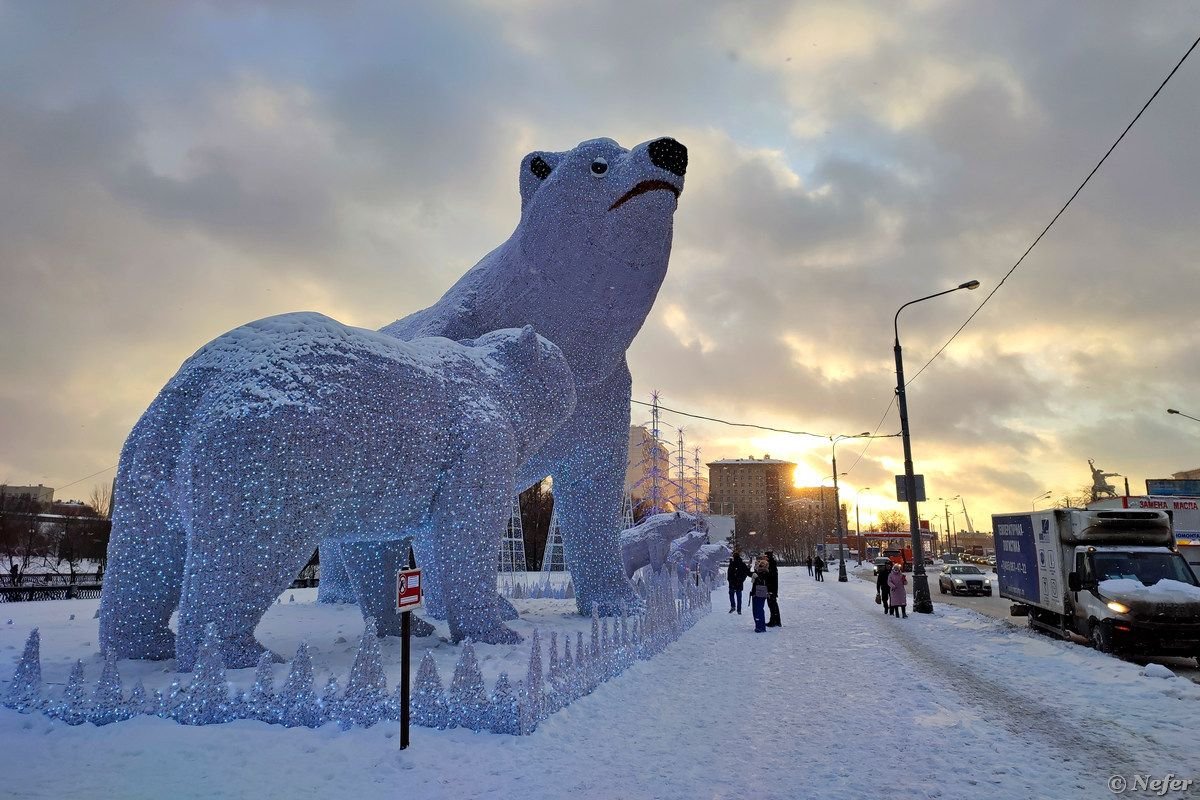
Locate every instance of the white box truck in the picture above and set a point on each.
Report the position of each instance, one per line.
(1112, 577)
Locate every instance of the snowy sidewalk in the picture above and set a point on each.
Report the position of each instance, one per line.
(842, 702)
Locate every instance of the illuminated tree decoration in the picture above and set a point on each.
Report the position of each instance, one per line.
(505, 713)
(72, 708)
(531, 699)
(25, 690)
(297, 701)
(467, 697)
(259, 703)
(366, 689)
(429, 707)
(137, 704)
(330, 705)
(207, 699)
(108, 699)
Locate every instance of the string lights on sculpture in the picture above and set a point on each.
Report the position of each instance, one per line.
(297, 428)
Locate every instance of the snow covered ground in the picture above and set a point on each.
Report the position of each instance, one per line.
(842, 702)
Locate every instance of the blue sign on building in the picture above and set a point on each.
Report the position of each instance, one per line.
(1171, 487)
(1016, 558)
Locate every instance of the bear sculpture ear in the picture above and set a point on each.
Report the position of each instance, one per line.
(535, 168)
(527, 343)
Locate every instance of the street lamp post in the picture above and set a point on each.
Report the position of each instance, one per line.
(1043, 496)
(1180, 413)
(858, 524)
(837, 504)
(922, 602)
(946, 508)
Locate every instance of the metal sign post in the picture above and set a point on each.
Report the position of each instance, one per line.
(408, 597)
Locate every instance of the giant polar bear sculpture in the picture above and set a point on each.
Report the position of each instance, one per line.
(296, 428)
(583, 266)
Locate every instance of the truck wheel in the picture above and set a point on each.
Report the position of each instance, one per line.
(1102, 637)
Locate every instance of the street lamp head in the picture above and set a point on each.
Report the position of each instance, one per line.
(1172, 411)
(969, 285)
(864, 433)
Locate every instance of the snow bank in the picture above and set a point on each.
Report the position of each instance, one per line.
(1165, 591)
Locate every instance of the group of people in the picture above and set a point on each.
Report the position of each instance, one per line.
(764, 588)
(816, 566)
(890, 581)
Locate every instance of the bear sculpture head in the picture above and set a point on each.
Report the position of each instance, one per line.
(596, 226)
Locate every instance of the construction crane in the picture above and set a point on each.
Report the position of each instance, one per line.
(966, 516)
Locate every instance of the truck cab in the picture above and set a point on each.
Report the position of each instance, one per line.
(1119, 600)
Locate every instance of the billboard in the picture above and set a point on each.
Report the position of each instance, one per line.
(1017, 557)
(1171, 487)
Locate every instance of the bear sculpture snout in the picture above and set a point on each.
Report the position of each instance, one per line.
(668, 154)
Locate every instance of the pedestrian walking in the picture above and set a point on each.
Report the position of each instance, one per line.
(773, 591)
(897, 596)
(737, 573)
(808, 563)
(759, 592)
(819, 566)
(881, 585)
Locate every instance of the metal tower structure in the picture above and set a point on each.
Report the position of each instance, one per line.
(554, 559)
(627, 520)
(655, 465)
(699, 502)
(681, 473)
(512, 547)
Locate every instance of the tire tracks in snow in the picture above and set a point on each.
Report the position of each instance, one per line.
(1072, 740)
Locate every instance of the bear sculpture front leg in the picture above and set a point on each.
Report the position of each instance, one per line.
(468, 516)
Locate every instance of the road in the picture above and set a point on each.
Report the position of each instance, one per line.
(998, 608)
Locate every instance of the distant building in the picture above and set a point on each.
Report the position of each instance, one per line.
(38, 494)
(753, 490)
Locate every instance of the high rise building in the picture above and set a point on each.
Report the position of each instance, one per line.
(754, 491)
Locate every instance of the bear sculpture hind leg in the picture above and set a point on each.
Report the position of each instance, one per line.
(373, 567)
(146, 554)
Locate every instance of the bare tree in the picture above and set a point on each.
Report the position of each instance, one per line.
(892, 521)
(101, 500)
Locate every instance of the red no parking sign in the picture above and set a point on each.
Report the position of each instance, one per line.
(408, 589)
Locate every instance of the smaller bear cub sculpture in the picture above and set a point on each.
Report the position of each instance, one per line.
(297, 428)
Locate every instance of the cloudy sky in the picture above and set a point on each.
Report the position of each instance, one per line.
(172, 170)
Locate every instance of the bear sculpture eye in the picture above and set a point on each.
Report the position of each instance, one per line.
(599, 167)
(539, 168)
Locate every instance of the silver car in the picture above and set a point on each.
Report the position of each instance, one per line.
(964, 579)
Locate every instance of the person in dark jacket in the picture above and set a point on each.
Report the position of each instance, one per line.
(881, 584)
(808, 563)
(819, 566)
(773, 589)
(737, 574)
(758, 593)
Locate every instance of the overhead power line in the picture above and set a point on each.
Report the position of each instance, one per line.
(1060, 211)
(758, 427)
(84, 478)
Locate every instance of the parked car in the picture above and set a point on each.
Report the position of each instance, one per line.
(964, 579)
(951, 558)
